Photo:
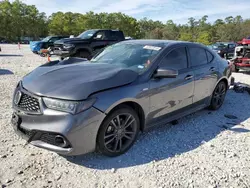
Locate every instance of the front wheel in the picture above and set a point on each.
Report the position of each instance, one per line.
(118, 132)
(218, 96)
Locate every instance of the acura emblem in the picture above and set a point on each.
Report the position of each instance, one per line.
(17, 97)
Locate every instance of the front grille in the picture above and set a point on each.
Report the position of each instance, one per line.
(29, 103)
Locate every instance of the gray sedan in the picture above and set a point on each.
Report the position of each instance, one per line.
(76, 106)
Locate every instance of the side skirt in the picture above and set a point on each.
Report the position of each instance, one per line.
(179, 114)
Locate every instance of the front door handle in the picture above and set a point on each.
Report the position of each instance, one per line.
(212, 69)
(188, 77)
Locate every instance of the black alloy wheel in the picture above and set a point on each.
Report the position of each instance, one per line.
(118, 132)
(218, 96)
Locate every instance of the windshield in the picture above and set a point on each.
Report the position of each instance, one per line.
(87, 34)
(46, 39)
(219, 46)
(137, 57)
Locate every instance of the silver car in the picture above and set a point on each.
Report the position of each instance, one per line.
(76, 106)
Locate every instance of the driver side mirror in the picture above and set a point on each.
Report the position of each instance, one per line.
(165, 73)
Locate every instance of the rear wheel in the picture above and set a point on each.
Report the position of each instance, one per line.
(218, 96)
(118, 132)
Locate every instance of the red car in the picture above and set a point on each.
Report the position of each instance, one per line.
(241, 58)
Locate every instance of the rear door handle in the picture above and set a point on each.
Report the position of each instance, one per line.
(212, 69)
(188, 77)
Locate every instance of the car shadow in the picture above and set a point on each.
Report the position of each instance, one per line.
(167, 141)
(5, 72)
(246, 72)
(243, 72)
(10, 55)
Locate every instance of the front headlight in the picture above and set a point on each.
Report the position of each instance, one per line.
(72, 107)
(68, 46)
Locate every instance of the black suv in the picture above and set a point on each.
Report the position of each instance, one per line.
(87, 44)
(224, 49)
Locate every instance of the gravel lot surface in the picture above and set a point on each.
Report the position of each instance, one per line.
(204, 149)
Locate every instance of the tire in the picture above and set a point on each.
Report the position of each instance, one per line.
(237, 70)
(83, 54)
(118, 139)
(61, 58)
(218, 96)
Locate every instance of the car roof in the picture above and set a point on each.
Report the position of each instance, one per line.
(58, 36)
(161, 43)
(104, 30)
(224, 43)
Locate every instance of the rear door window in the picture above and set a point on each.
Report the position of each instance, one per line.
(198, 56)
(116, 35)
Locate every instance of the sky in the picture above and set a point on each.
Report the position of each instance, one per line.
(177, 10)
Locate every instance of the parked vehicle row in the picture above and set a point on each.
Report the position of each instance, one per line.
(224, 49)
(76, 106)
(87, 44)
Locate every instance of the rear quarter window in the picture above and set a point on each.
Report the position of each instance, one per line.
(210, 56)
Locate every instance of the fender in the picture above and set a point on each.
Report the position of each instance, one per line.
(117, 103)
(223, 77)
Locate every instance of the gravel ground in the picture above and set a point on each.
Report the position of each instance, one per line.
(204, 149)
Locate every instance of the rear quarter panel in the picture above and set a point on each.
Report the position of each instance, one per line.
(225, 71)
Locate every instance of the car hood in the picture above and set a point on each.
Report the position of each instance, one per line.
(75, 79)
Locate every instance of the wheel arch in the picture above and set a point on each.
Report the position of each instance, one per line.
(223, 79)
(132, 104)
(82, 49)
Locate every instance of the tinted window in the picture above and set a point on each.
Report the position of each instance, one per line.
(210, 57)
(231, 46)
(53, 39)
(101, 35)
(198, 56)
(176, 59)
(87, 34)
(116, 35)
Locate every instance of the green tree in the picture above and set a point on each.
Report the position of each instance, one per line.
(204, 38)
(170, 31)
(19, 19)
(186, 37)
